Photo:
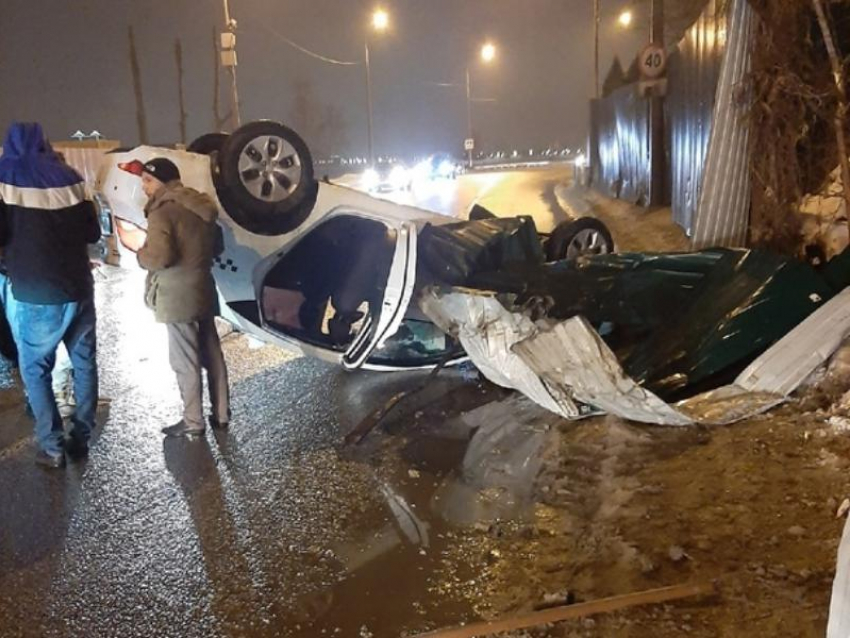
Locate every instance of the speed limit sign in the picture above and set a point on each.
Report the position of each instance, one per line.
(652, 62)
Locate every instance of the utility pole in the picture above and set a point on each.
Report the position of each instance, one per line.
(657, 164)
(228, 59)
(369, 106)
(596, 47)
(468, 117)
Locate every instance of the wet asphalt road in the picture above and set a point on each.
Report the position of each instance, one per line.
(264, 530)
(506, 193)
(272, 528)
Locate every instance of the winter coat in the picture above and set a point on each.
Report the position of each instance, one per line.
(178, 252)
(46, 221)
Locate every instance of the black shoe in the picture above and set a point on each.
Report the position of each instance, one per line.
(76, 448)
(181, 429)
(48, 460)
(215, 424)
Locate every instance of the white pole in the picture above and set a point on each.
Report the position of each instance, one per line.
(369, 106)
(468, 116)
(230, 27)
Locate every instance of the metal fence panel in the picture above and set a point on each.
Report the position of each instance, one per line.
(621, 128)
(694, 70)
(724, 205)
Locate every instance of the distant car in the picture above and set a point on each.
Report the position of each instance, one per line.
(386, 178)
(438, 166)
(317, 268)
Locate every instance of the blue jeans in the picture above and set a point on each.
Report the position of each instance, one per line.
(40, 329)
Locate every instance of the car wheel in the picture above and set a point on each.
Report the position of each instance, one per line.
(266, 178)
(208, 144)
(584, 236)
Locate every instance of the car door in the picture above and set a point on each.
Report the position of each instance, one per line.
(396, 299)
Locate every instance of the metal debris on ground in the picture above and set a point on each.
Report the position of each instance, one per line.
(568, 368)
(580, 610)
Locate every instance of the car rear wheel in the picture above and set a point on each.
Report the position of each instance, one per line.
(208, 144)
(584, 236)
(266, 178)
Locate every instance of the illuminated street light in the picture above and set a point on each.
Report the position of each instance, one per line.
(380, 23)
(625, 19)
(488, 52)
(380, 20)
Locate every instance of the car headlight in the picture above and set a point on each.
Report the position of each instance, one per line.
(398, 177)
(422, 170)
(370, 179)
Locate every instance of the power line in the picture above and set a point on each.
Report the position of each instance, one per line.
(304, 50)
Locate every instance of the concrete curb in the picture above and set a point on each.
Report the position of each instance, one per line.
(573, 199)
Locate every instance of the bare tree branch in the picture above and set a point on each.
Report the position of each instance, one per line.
(841, 110)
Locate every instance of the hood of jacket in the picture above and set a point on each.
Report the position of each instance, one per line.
(29, 161)
(194, 201)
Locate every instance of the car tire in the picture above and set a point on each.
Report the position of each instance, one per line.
(265, 178)
(584, 236)
(208, 144)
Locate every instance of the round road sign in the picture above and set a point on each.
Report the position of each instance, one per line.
(653, 62)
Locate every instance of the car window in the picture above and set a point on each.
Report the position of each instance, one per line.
(324, 290)
(418, 342)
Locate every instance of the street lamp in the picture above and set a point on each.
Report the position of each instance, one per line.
(380, 23)
(624, 19)
(488, 54)
(380, 20)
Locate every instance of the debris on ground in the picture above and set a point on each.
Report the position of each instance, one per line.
(597, 347)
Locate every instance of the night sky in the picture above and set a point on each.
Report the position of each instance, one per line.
(66, 64)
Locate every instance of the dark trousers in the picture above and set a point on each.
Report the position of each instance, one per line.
(191, 348)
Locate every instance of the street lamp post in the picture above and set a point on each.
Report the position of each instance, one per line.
(380, 22)
(488, 54)
(228, 57)
(468, 117)
(369, 106)
(596, 47)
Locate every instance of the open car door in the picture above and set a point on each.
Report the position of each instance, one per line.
(397, 294)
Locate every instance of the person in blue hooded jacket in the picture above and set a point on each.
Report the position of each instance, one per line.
(46, 224)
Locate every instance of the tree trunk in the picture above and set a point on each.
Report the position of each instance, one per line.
(141, 119)
(841, 109)
(178, 55)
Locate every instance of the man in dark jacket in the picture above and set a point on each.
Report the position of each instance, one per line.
(178, 252)
(46, 223)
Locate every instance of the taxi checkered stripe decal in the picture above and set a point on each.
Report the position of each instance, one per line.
(226, 264)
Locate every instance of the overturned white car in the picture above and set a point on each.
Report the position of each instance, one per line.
(317, 268)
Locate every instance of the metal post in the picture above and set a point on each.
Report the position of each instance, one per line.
(230, 26)
(369, 106)
(656, 114)
(468, 116)
(596, 47)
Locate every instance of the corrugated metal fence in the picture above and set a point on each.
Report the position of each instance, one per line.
(707, 153)
(694, 69)
(622, 130)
